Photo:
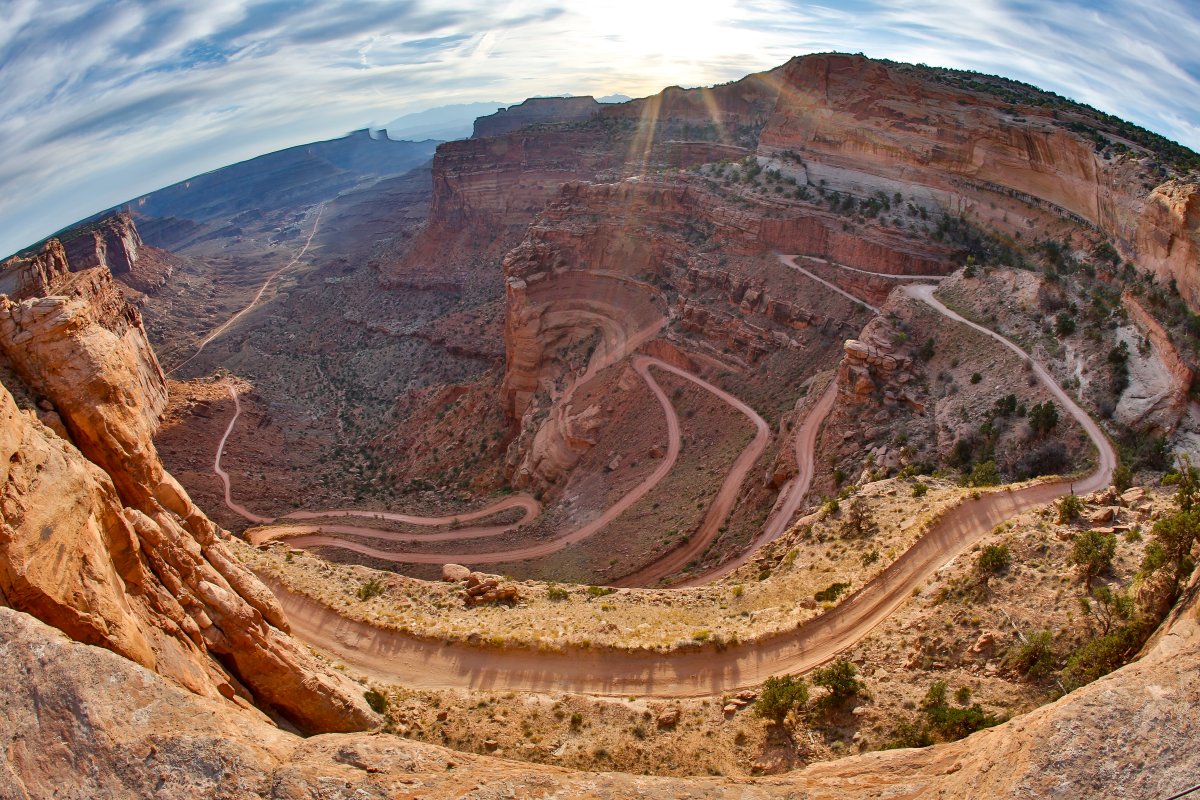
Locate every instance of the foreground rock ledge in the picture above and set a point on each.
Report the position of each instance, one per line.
(79, 721)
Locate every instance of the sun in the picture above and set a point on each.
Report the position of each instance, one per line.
(666, 40)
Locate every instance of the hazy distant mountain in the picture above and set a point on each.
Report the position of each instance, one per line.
(443, 123)
(614, 98)
(286, 179)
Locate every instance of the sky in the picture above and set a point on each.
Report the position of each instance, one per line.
(104, 100)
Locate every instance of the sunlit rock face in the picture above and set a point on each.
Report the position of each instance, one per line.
(99, 540)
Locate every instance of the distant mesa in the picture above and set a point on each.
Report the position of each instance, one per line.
(533, 111)
(444, 123)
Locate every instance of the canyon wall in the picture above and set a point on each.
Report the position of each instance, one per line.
(1168, 237)
(101, 542)
(1020, 169)
(112, 242)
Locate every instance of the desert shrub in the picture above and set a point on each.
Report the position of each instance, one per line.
(925, 351)
(859, 522)
(1069, 509)
(1005, 406)
(1142, 452)
(992, 560)
(952, 722)
(1122, 478)
(600, 591)
(556, 593)
(919, 489)
(372, 588)
(377, 700)
(1032, 658)
(831, 592)
(840, 679)
(1064, 324)
(1118, 365)
(1043, 418)
(1102, 655)
(909, 734)
(976, 377)
(984, 474)
(1093, 553)
(962, 454)
(779, 696)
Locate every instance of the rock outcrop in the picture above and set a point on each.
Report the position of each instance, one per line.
(1161, 381)
(1168, 237)
(101, 542)
(112, 242)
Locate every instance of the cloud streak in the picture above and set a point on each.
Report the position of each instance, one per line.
(103, 100)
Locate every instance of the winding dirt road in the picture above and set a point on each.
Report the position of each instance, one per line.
(523, 501)
(790, 262)
(790, 496)
(320, 535)
(391, 656)
(224, 326)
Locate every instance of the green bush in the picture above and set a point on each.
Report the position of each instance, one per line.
(1069, 509)
(1034, 658)
(1102, 655)
(859, 522)
(556, 593)
(992, 560)
(372, 588)
(909, 734)
(984, 474)
(952, 722)
(831, 592)
(1064, 324)
(1093, 553)
(779, 696)
(1043, 418)
(376, 700)
(919, 489)
(839, 678)
(1122, 478)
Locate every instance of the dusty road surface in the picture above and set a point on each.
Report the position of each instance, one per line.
(224, 326)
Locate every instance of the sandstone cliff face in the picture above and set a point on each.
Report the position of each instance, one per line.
(101, 542)
(851, 113)
(113, 242)
(866, 126)
(146, 737)
(1168, 237)
(505, 174)
(35, 274)
(1160, 381)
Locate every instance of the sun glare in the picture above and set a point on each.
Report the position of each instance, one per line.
(666, 40)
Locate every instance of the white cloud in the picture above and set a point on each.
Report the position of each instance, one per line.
(101, 101)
